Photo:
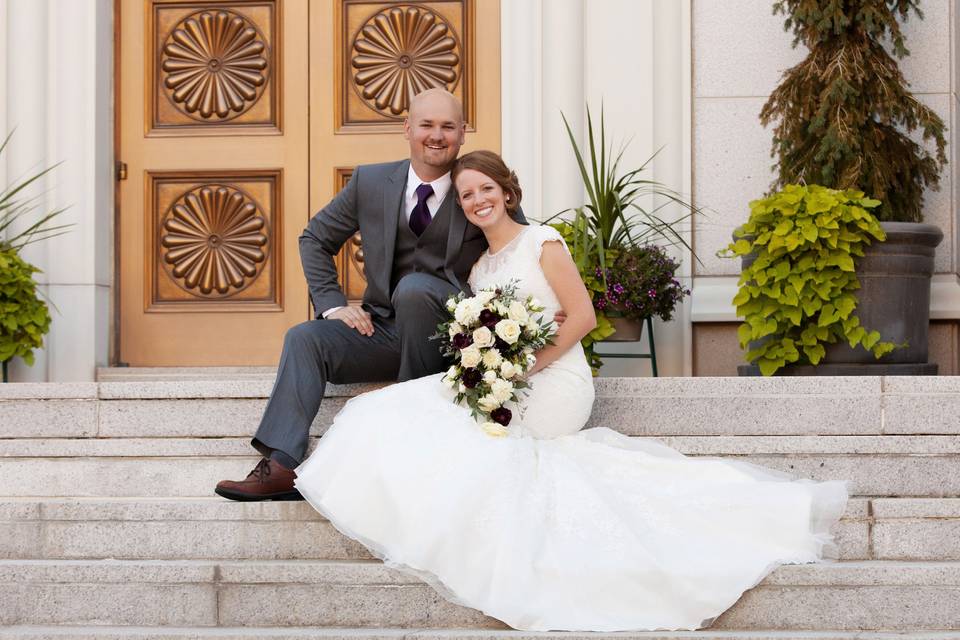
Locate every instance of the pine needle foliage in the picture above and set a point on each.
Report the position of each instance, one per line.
(844, 113)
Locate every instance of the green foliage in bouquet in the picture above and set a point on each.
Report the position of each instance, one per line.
(798, 294)
(24, 318)
(843, 114)
(613, 218)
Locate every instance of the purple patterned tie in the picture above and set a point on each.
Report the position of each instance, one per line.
(420, 216)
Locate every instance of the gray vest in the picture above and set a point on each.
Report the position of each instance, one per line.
(425, 254)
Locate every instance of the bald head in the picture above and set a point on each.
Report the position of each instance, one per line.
(435, 130)
(436, 100)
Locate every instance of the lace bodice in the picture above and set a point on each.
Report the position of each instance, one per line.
(520, 260)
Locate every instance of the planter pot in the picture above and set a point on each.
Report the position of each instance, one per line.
(894, 299)
(627, 329)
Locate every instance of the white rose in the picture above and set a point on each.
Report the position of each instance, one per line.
(501, 390)
(451, 304)
(507, 370)
(485, 296)
(489, 376)
(450, 378)
(488, 403)
(518, 312)
(494, 429)
(470, 357)
(482, 337)
(467, 311)
(500, 308)
(454, 329)
(492, 358)
(508, 330)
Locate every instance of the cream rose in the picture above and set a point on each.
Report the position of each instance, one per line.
(454, 329)
(508, 330)
(489, 377)
(488, 403)
(470, 357)
(507, 370)
(518, 312)
(501, 389)
(494, 429)
(485, 296)
(492, 358)
(482, 337)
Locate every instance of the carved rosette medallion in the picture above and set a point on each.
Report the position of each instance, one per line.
(214, 241)
(401, 51)
(214, 65)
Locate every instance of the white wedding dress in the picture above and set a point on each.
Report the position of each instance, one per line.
(553, 528)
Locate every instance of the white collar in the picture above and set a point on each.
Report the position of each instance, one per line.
(440, 186)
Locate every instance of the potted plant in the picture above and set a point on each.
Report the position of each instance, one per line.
(614, 219)
(842, 118)
(24, 318)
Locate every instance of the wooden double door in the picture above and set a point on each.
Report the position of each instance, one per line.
(236, 121)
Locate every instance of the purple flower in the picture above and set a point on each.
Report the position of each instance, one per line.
(501, 345)
(471, 378)
(489, 319)
(501, 415)
(462, 341)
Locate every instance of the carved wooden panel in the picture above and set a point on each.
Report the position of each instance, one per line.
(215, 241)
(350, 259)
(387, 52)
(213, 66)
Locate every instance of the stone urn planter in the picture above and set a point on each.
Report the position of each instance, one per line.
(894, 299)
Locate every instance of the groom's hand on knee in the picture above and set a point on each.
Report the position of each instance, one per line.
(355, 318)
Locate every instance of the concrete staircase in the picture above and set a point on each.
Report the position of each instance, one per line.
(109, 528)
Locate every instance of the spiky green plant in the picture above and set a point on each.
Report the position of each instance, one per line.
(615, 216)
(844, 113)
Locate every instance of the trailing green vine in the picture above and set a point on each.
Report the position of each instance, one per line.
(798, 294)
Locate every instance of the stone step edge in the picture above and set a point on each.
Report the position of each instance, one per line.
(260, 387)
(710, 445)
(217, 509)
(28, 632)
(848, 574)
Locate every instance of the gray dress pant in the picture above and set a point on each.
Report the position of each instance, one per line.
(320, 351)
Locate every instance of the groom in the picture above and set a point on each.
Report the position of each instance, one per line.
(418, 249)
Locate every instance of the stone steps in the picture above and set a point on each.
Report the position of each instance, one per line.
(213, 528)
(894, 466)
(847, 596)
(213, 407)
(322, 633)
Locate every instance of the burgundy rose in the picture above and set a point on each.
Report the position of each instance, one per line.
(471, 378)
(462, 341)
(489, 318)
(501, 415)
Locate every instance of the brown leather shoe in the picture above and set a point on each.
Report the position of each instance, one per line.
(269, 480)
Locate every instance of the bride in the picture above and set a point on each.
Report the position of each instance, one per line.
(553, 528)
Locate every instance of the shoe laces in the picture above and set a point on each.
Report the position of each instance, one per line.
(261, 471)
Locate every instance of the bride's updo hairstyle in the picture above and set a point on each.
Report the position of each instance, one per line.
(491, 165)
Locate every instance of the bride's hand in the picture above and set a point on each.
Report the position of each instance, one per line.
(559, 317)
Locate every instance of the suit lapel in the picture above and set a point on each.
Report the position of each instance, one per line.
(392, 202)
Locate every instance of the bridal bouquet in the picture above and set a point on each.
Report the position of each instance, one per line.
(492, 337)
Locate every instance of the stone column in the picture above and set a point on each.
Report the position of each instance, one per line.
(58, 97)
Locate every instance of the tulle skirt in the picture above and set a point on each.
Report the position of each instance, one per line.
(589, 531)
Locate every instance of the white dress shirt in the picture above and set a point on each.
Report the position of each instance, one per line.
(440, 188)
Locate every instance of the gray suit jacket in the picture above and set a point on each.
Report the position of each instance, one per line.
(370, 204)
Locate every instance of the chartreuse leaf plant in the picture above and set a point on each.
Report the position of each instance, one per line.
(24, 318)
(798, 293)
